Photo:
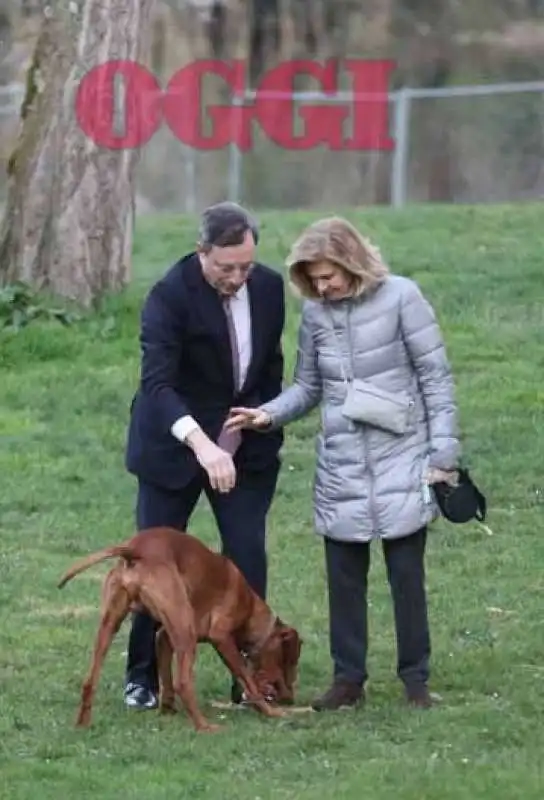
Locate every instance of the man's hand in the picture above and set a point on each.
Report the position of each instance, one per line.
(440, 475)
(252, 418)
(217, 463)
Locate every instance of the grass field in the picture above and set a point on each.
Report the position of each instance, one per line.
(64, 396)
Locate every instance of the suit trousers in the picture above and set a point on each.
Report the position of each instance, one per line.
(240, 516)
(347, 566)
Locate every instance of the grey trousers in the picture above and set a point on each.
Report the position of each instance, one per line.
(347, 571)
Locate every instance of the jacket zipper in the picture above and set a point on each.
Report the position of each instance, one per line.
(372, 501)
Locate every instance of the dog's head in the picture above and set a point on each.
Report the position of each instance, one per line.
(276, 663)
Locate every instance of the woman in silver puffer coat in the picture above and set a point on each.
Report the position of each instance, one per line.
(370, 352)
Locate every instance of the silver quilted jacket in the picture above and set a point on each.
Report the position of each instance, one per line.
(370, 483)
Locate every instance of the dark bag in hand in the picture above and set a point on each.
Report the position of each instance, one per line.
(462, 502)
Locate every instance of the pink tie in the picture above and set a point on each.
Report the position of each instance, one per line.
(231, 440)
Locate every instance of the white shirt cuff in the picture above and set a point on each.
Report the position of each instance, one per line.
(183, 426)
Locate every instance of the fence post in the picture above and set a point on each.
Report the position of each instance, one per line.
(235, 156)
(399, 166)
(189, 158)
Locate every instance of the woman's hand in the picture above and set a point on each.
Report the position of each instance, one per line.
(252, 418)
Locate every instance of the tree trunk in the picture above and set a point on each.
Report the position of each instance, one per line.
(69, 215)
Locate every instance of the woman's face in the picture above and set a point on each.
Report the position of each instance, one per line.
(330, 281)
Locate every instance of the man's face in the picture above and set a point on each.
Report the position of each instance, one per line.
(227, 268)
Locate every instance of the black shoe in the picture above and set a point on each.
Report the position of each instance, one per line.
(341, 694)
(419, 696)
(140, 697)
(237, 694)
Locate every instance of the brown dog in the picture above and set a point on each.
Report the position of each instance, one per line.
(196, 595)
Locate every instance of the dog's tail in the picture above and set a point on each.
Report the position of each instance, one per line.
(117, 551)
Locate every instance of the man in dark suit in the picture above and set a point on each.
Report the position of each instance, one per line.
(210, 338)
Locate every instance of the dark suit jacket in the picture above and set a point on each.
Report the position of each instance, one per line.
(186, 368)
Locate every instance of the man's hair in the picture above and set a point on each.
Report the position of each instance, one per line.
(224, 225)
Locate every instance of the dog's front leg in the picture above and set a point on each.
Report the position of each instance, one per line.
(165, 654)
(185, 684)
(227, 649)
(164, 594)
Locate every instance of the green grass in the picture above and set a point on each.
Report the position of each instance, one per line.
(64, 395)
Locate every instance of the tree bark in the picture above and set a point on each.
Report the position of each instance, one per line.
(69, 214)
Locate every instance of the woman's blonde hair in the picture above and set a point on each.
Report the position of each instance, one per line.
(336, 240)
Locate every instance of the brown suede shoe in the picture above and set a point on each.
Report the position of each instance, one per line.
(418, 696)
(341, 694)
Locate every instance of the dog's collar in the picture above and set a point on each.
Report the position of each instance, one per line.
(258, 646)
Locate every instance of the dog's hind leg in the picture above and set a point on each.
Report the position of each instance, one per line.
(115, 607)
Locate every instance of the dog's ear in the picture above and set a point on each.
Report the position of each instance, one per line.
(291, 644)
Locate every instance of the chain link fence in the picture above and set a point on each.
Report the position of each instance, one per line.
(465, 144)
(459, 144)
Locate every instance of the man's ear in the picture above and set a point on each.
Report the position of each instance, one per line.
(202, 249)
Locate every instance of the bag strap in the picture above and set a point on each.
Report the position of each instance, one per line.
(481, 513)
(482, 509)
